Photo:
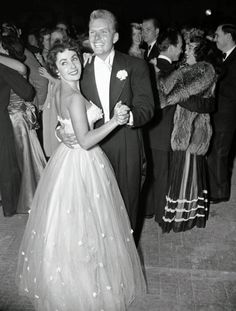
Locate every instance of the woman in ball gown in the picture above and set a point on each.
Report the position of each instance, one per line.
(187, 203)
(30, 156)
(78, 251)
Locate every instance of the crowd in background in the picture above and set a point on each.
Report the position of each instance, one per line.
(97, 135)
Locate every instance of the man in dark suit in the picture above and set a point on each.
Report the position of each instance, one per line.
(113, 77)
(150, 32)
(224, 119)
(159, 131)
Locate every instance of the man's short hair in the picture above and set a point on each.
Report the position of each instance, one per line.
(229, 28)
(167, 37)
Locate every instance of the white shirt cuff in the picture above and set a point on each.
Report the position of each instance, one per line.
(131, 119)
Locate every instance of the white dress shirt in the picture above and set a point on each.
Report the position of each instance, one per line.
(102, 71)
(165, 57)
(150, 46)
(229, 52)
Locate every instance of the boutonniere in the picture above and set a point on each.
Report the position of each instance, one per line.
(122, 74)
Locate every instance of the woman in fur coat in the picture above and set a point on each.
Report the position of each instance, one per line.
(187, 198)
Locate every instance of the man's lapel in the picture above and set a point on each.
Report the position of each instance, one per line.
(116, 84)
(89, 84)
(231, 57)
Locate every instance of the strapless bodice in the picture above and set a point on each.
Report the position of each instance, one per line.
(93, 113)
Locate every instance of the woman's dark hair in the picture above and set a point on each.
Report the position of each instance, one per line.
(59, 48)
(202, 51)
(43, 32)
(14, 46)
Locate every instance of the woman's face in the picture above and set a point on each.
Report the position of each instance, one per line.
(32, 40)
(68, 65)
(189, 53)
(46, 41)
(136, 36)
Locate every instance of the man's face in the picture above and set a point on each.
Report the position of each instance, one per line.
(149, 32)
(176, 50)
(102, 37)
(56, 36)
(221, 39)
(63, 28)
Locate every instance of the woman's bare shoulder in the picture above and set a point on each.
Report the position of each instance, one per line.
(76, 99)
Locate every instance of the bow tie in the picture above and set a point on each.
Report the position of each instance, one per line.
(149, 47)
(224, 56)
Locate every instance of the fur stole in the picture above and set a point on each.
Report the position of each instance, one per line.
(196, 79)
(192, 131)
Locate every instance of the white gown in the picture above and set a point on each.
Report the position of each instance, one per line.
(78, 252)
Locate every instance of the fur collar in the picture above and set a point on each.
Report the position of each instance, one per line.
(196, 79)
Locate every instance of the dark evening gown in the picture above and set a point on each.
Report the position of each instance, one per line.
(10, 177)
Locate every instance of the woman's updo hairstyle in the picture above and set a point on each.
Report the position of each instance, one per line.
(202, 49)
(59, 48)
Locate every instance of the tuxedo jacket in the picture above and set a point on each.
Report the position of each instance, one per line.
(159, 129)
(124, 146)
(153, 53)
(224, 118)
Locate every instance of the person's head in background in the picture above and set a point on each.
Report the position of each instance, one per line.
(63, 26)
(12, 46)
(225, 37)
(102, 32)
(196, 50)
(170, 44)
(9, 28)
(136, 33)
(150, 30)
(85, 45)
(44, 38)
(57, 36)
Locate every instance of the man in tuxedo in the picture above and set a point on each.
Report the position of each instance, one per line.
(150, 32)
(113, 77)
(159, 131)
(224, 119)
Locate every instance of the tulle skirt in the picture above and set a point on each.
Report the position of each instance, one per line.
(78, 251)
